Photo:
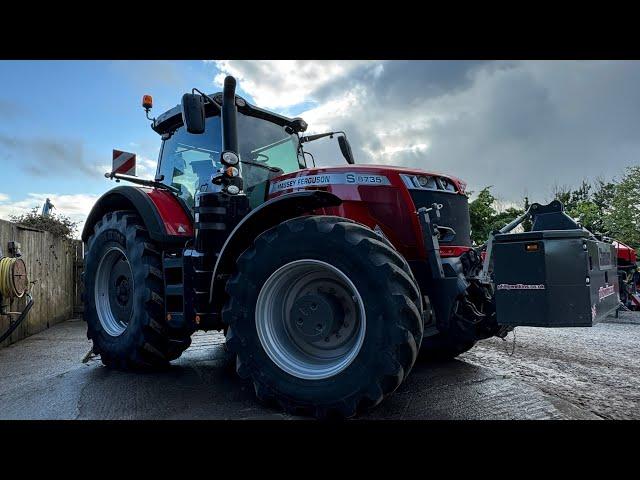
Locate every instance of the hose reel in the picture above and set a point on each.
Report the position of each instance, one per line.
(13, 285)
(13, 277)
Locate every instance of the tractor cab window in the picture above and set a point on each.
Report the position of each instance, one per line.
(265, 144)
(188, 161)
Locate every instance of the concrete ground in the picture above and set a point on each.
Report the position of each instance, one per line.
(596, 369)
(552, 374)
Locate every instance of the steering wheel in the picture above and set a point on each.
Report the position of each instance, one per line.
(260, 158)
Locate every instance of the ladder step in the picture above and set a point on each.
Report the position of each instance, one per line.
(172, 262)
(174, 290)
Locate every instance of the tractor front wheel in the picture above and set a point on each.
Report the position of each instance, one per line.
(324, 317)
(124, 296)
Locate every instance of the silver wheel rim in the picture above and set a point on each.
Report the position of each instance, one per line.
(310, 319)
(113, 323)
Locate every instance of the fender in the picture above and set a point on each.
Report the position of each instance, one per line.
(267, 215)
(162, 213)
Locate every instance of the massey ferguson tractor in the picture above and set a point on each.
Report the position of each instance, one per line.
(327, 281)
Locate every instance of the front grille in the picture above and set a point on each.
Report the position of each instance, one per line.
(454, 212)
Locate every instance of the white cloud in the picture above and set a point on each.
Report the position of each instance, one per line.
(145, 167)
(284, 83)
(76, 207)
(328, 114)
(517, 125)
(390, 152)
(3, 197)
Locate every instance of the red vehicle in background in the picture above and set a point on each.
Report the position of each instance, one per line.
(628, 275)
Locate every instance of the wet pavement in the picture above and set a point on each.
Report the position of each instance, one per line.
(552, 374)
(595, 369)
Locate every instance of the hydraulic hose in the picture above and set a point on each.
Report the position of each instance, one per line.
(8, 287)
(14, 324)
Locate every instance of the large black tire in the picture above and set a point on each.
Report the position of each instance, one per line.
(146, 342)
(447, 345)
(390, 298)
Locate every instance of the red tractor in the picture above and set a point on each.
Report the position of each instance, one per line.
(327, 281)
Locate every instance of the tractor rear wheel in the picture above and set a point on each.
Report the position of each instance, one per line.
(324, 317)
(124, 296)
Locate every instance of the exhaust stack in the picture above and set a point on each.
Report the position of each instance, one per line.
(229, 116)
(230, 158)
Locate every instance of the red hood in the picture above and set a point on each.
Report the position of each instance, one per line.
(380, 170)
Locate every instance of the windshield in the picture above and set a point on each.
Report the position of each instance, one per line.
(188, 161)
(268, 145)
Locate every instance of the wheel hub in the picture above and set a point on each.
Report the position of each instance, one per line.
(310, 319)
(122, 289)
(114, 292)
(316, 316)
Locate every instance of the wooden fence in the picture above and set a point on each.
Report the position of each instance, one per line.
(55, 264)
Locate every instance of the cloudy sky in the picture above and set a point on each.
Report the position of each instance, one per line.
(521, 126)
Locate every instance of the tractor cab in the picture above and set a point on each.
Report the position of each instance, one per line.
(188, 161)
(268, 146)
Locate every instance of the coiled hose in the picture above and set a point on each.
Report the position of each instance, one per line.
(8, 286)
(13, 284)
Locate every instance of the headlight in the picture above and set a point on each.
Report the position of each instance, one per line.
(426, 182)
(230, 158)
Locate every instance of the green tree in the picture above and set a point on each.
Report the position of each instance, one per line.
(603, 196)
(622, 221)
(609, 208)
(581, 205)
(485, 218)
(58, 225)
(481, 212)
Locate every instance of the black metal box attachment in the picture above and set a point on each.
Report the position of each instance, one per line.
(554, 278)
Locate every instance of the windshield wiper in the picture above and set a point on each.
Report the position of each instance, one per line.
(271, 169)
(141, 181)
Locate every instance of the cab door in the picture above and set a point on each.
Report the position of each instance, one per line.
(188, 161)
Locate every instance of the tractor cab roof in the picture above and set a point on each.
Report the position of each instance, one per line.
(172, 118)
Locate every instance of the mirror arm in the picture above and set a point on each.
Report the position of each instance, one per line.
(207, 97)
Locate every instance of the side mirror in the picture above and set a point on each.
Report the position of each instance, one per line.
(193, 113)
(345, 148)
